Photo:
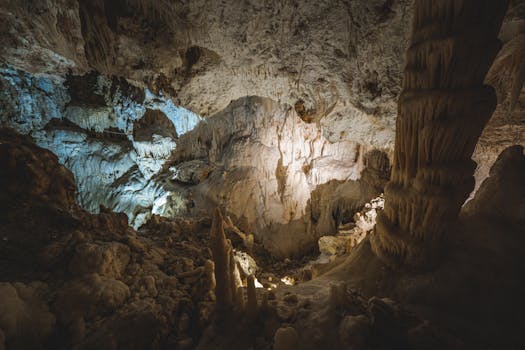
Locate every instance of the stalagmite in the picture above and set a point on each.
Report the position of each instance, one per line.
(240, 307)
(209, 270)
(226, 276)
(441, 113)
(251, 305)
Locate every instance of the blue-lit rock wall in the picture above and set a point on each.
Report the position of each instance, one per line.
(88, 123)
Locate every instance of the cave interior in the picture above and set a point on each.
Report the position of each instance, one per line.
(318, 174)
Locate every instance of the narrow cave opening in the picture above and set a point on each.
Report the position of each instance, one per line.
(239, 175)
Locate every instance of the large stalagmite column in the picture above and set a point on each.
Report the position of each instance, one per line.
(441, 113)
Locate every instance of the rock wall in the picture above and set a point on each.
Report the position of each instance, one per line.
(88, 122)
(260, 162)
(336, 64)
(500, 197)
(507, 74)
(257, 159)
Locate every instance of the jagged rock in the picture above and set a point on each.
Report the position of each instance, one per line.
(252, 305)
(336, 203)
(333, 245)
(121, 39)
(68, 244)
(365, 220)
(346, 92)
(332, 70)
(377, 169)
(226, 274)
(89, 126)
(108, 259)
(192, 172)
(266, 164)
(138, 327)
(237, 237)
(247, 265)
(153, 122)
(501, 194)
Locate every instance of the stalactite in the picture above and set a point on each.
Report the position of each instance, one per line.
(98, 37)
(441, 113)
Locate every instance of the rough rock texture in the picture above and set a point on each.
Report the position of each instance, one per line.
(102, 129)
(42, 36)
(115, 138)
(501, 195)
(25, 318)
(70, 279)
(442, 111)
(162, 298)
(336, 202)
(342, 59)
(338, 64)
(261, 163)
(454, 306)
(90, 281)
(507, 125)
(225, 269)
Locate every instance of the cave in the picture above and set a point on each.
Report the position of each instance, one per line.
(262, 175)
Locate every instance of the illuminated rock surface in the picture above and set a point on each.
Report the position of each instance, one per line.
(127, 221)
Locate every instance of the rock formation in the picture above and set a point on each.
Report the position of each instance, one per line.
(260, 162)
(345, 88)
(90, 122)
(277, 211)
(442, 111)
(90, 280)
(226, 274)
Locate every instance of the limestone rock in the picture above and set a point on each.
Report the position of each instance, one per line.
(109, 259)
(227, 278)
(247, 265)
(333, 245)
(88, 296)
(79, 256)
(286, 338)
(192, 172)
(501, 194)
(28, 170)
(266, 164)
(353, 332)
(432, 173)
(25, 319)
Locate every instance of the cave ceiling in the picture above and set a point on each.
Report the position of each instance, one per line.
(338, 63)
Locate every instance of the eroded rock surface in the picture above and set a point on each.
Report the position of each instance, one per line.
(337, 59)
(74, 279)
(260, 162)
(336, 65)
(108, 132)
